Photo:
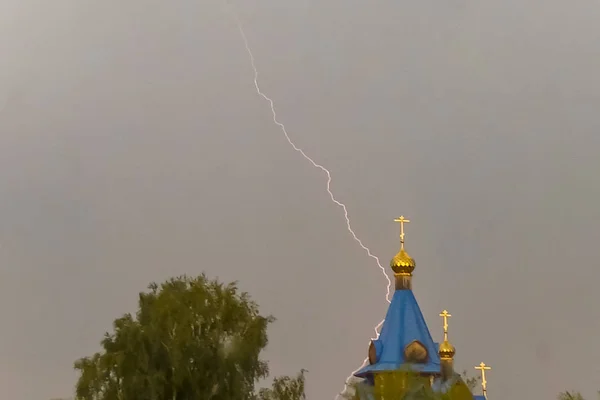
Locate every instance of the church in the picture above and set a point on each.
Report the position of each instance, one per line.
(404, 359)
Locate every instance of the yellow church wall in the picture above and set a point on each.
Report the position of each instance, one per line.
(460, 391)
(391, 385)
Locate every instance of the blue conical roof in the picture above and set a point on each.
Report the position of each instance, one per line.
(404, 323)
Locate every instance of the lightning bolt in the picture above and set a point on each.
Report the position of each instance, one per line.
(316, 165)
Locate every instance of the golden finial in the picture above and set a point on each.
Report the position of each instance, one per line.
(402, 221)
(445, 315)
(402, 263)
(446, 351)
(482, 367)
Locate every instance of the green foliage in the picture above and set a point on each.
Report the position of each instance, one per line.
(285, 388)
(416, 387)
(190, 339)
(471, 381)
(570, 396)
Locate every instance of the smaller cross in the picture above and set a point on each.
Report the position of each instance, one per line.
(482, 367)
(402, 221)
(445, 315)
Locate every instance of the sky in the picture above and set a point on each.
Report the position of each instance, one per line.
(133, 148)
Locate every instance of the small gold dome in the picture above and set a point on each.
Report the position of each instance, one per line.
(447, 351)
(402, 263)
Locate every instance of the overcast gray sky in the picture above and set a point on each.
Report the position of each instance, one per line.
(133, 148)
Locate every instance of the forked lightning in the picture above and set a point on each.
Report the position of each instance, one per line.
(314, 163)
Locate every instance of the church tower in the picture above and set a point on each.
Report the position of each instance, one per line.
(405, 347)
(449, 382)
(404, 359)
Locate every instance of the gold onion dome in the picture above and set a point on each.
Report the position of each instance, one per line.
(446, 351)
(402, 263)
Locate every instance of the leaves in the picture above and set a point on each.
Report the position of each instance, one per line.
(285, 388)
(570, 396)
(471, 381)
(191, 338)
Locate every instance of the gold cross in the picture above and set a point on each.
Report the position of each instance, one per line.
(482, 367)
(445, 315)
(402, 221)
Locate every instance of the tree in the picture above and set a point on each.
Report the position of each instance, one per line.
(570, 396)
(191, 338)
(471, 381)
(285, 388)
